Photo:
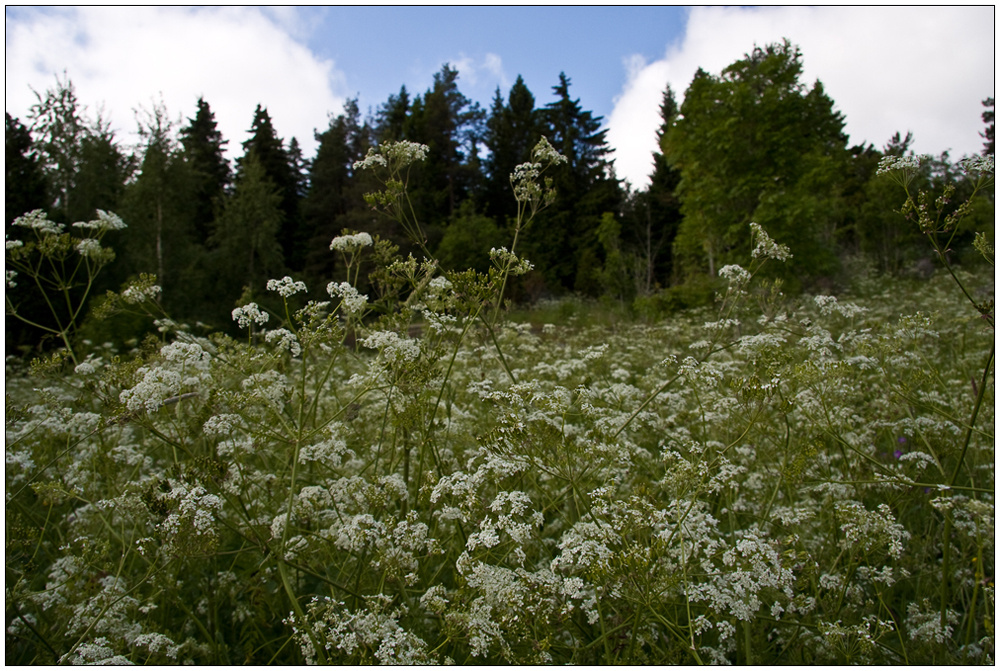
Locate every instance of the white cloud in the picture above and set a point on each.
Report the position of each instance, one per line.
(485, 75)
(887, 69)
(121, 58)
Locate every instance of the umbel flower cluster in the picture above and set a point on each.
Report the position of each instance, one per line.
(406, 476)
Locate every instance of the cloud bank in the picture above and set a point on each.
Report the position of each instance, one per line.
(887, 69)
(236, 57)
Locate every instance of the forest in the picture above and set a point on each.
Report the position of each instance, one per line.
(754, 143)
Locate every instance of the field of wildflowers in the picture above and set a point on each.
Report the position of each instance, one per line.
(406, 476)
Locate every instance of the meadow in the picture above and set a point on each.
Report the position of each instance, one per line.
(412, 476)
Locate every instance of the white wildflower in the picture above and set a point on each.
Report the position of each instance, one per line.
(286, 287)
(37, 220)
(133, 295)
(249, 313)
(286, 340)
(392, 347)
(349, 243)
(351, 301)
(891, 163)
(767, 247)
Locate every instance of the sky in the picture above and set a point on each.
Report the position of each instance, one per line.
(887, 69)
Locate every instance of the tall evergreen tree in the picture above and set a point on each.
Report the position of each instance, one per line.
(447, 122)
(512, 129)
(333, 189)
(24, 179)
(662, 207)
(390, 120)
(564, 242)
(204, 150)
(277, 163)
(247, 250)
(104, 169)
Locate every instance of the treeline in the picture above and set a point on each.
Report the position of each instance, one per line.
(753, 143)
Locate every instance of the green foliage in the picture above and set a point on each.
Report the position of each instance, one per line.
(246, 246)
(468, 240)
(407, 476)
(23, 176)
(754, 144)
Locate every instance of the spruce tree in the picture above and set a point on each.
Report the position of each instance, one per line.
(278, 166)
(247, 250)
(390, 120)
(160, 211)
(204, 151)
(333, 189)
(663, 210)
(512, 129)
(563, 242)
(23, 176)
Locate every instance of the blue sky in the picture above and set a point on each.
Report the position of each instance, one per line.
(888, 69)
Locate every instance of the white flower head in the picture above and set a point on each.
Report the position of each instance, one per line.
(106, 221)
(89, 248)
(892, 163)
(393, 155)
(977, 165)
(767, 247)
(350, 243)
(249, 313)
(135, 294)
(286, 287)
(735, 274)
(351, 301)
(37, 220)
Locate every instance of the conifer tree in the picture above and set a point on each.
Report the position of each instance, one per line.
(663, 212)
(278, 166)
(512, 129)
(390, 120)
(23, 177)
(204, 150)
(447, 122)
(247, 250)
(564, 242)
(160, 213)
(333, 188)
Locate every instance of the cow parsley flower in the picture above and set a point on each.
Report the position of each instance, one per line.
(351, 301)
(767, 247)
(286, 287)
(134, 295)
(977, 165)
(89, 248)
(392, 347)
(286, 340)
(249, 313)
(37, 220)
(890, 164)
(349, 243)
